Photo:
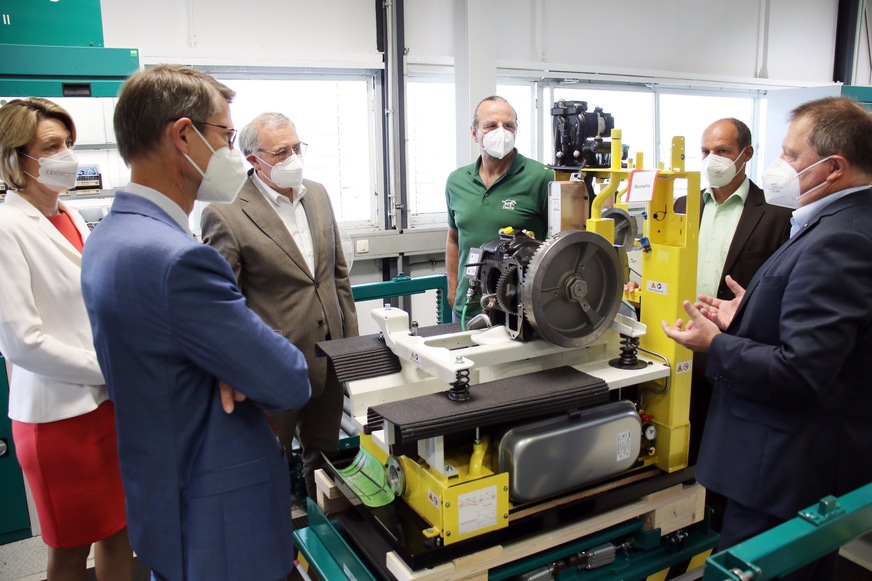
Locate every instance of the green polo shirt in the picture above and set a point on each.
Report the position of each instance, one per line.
(519, 198)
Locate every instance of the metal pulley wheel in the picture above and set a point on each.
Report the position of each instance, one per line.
(572, 288)
(625, 227)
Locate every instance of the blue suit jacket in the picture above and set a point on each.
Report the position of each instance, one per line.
(790, 420)
(208, 494)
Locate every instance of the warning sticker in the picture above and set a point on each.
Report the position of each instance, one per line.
(660, 288)
(623, 445)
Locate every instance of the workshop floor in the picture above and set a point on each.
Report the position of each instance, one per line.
(26, 560)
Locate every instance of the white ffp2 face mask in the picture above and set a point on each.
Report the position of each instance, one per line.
(720, 170)
(498, 143)
(224, 176)
(288, 173)
(57, 172)
(781, 183)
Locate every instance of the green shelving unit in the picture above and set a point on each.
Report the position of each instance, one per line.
(14, 517)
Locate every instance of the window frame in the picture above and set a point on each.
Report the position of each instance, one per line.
(372, 78)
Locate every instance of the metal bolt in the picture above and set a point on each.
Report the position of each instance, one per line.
(505, 488)
(447, 505)
(458, 359)
(447, 533)
(506, 515)
(742, 575)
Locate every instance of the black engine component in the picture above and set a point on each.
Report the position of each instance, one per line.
(579, 136)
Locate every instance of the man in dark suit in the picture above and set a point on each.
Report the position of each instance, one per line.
(282, 241)
(789, 421)
(738, 232)
(204, 479)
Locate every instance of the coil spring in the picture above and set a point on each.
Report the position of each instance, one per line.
(629, 350)
(460, 388)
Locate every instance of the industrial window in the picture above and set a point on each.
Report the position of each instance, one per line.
(650, 116)
(430, 129)
(633, 112)
(336, 118)
(430, 153)
(689, 115)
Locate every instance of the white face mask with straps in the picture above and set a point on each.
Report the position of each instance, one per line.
(57, 172)
(288, 173)
(224, 176)
(781, 183)
(498, 142)
(720, 170)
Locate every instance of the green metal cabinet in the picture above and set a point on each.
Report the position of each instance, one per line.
(55, 49)
(77, 23)
(14, 518)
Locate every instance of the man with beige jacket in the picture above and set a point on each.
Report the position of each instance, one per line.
(281, 238)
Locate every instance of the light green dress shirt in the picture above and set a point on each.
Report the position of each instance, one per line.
(716, 231)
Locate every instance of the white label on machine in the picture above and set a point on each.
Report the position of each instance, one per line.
(554, 207)
(660, 288)
(641, 186)
(474, 258)
(683, 367)
(624, 445)
(477, 510)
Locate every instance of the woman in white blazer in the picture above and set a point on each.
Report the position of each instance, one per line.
(63, 425)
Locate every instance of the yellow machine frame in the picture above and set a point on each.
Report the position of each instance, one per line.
(440, 500)
(668, 279)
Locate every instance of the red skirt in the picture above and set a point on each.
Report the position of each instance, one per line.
(72, 469)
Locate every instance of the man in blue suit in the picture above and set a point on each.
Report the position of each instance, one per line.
(789, 421)
(190, 367)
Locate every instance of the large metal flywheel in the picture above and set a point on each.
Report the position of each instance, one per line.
(572, 288)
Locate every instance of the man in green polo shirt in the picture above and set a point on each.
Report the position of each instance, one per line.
(502, 188)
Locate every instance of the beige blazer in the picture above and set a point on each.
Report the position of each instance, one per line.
(273, 275)
(44, 328)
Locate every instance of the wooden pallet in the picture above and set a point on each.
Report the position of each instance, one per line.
(669, 510)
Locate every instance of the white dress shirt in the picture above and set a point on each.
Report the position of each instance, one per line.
(293, 216)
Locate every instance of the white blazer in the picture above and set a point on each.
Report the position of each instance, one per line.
(44, 329)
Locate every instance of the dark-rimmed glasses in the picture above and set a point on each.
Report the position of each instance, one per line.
(231, 139)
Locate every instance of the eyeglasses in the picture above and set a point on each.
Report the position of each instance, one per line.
(284, 153)
(231, 139)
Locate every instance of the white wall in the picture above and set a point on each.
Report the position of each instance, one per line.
(244, 32)
(702, 39)
(695, 39)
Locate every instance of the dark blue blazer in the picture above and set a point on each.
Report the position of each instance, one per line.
(791, 415)
(208, 494)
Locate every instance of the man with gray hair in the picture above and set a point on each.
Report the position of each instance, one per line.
(282, 241)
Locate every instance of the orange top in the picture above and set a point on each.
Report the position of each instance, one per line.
(65, 226)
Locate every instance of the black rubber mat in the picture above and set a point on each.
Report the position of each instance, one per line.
(494, 402)
(368, 356)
